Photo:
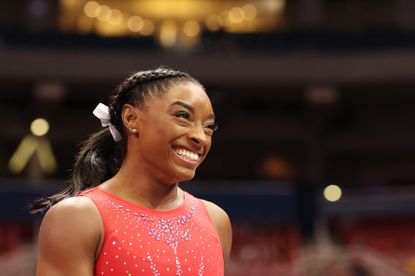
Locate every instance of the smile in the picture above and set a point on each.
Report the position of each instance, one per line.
(186, 154)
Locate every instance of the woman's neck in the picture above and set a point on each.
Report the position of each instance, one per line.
(143, 190)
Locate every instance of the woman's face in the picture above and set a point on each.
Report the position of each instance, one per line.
(175, 132)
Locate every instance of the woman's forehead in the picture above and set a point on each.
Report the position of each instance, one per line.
(190, 93)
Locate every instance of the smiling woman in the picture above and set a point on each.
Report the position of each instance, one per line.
(123, 213)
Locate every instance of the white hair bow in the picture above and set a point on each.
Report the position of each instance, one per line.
(103, 114)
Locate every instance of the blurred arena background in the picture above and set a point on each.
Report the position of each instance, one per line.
(315, 157)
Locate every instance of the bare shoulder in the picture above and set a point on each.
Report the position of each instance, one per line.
(216, 212)
(223, 225)
(80, 203)
(75, 216)
(75, 211)
(69, 237)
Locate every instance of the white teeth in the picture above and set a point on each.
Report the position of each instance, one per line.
(187, 154)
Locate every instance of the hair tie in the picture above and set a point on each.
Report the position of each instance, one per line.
(103, 114)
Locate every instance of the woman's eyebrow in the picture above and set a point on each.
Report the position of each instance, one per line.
(185, 105)
(190, 108)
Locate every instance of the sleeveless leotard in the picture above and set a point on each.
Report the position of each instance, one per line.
(142, 241)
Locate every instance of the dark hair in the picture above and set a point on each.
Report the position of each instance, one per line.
(100, 157)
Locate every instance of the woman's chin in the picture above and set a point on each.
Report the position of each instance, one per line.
(185, 175)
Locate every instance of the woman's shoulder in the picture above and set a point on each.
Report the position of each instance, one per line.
(214, 210)
(72, 214)
(69, 237)
(216, 213)
(222, 224)
(73, 205)
(219, 216)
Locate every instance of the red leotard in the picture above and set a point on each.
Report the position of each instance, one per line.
(142, 241)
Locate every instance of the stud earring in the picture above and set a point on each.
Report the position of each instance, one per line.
(133, 130)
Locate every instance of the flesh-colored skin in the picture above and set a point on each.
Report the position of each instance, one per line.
(71, 233)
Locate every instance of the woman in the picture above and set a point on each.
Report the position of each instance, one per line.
(123, 213)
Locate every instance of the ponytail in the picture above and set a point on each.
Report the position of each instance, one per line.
(99, 159)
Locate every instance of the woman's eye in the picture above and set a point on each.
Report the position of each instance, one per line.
(182, 114)
(212, 127)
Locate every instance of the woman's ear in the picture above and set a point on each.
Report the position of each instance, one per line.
(130, 116)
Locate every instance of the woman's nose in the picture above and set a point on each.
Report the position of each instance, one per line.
(197, 135)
